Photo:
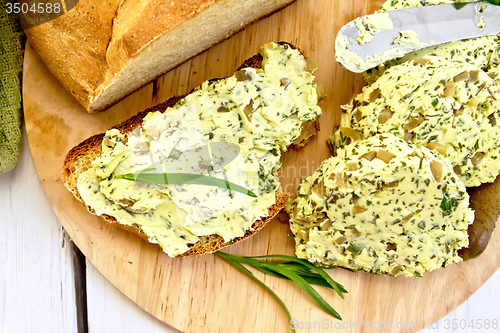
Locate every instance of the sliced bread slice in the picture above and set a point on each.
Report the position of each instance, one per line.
(82, 158)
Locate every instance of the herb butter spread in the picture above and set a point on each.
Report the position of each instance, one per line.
(410, 39)
(382, 206)
(368, 27)
(447, 106)
(258, 111)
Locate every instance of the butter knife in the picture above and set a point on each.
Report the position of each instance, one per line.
(371, 40)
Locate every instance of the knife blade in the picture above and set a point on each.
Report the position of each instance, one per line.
(371, 40)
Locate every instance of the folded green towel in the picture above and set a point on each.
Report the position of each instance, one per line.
(11, 60)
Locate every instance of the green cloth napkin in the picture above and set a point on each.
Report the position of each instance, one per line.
(11, 61)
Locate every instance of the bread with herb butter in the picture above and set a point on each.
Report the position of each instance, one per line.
(448, 106)
(269, 104)
(102, 51)
(383, 206)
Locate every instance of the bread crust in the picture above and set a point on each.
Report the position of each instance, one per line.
(79, 160)
(90, 48)
(73, 47)
(134, 32)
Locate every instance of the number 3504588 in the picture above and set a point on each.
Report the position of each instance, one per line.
(36, 8)
(479, 324)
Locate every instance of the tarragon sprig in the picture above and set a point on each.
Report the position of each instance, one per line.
(183, 178)
(299, 271)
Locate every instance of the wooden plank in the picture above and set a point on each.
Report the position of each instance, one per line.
(205, 294)
(37, 290)
(110, 311)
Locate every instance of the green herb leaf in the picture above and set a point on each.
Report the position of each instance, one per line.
(250, 274)
(356, 248)
(335, 286)
(299, 271)
(298, 266)
(311, 277)
(448, 203)
(459, 5)
(308, 289)
(183, 178)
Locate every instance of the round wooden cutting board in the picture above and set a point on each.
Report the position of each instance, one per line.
(205, 294)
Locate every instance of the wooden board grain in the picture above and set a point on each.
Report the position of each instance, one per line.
(205, 294)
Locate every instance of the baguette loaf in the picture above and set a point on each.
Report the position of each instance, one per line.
(102, 51)
(82, 158)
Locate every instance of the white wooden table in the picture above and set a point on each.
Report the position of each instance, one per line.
(46, 285)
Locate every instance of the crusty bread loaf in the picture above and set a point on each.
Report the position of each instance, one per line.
(79, 160)
(102, 51)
